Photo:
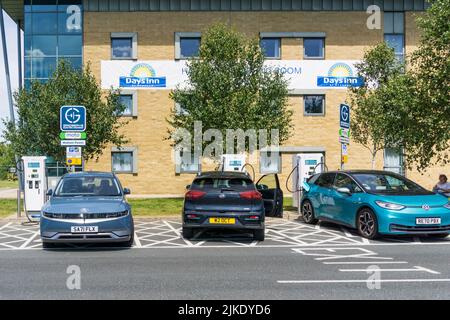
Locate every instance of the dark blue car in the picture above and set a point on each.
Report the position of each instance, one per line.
(87, 207)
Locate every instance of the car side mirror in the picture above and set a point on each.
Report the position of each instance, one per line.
(188, 186)
(49, 192)
(126, 191)
(344, 190)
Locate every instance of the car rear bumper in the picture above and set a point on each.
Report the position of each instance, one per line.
(242, 221)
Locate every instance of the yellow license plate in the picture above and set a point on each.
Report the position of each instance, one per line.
(222, 220)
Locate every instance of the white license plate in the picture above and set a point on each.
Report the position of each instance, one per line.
(84, 229)
(428, 220)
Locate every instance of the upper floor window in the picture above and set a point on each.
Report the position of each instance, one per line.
(189, 47)
(314, 48)
(187, 44)
(271, 47)
(123, 46)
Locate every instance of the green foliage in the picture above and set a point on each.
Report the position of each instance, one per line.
(229, 88)
(37, 129)
(372, 114)
(430, 71)
(7, 161)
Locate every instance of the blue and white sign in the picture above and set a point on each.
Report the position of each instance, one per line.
(72, 118)
(340, 74)
(142, 75)
(344, 116)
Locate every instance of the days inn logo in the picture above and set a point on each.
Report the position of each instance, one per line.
(142, 75)
(340, 75)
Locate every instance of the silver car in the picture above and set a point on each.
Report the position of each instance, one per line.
(87, 207)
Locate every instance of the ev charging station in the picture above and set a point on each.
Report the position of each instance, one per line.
(305, 165)
(35, 184)
(233, 162)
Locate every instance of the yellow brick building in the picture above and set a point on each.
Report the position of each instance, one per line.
(118, 34)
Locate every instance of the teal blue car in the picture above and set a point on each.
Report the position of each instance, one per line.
(375, 203)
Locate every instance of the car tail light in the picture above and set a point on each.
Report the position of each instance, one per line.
(192, 216)
(194, 194)
(253, 195)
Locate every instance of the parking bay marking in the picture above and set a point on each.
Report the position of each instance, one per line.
(359, 281)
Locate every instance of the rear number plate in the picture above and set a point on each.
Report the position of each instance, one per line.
(428, 220)
(84, 229)
(222, 220)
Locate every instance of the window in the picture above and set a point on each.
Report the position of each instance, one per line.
(124, 160)
(129, 99)
(238, 184)
(344, 181)
(271, 47)
(124, 46)
(187, 44)
(393, 160)
(189, 47)
(325, 180)
(314, 105)
(394, 26)
(268, 182)
(314, 48)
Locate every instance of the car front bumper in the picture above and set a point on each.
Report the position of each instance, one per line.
(404, 221)
(109, 230)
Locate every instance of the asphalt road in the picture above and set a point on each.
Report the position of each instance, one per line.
(408, 271)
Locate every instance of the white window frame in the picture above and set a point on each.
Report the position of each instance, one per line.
(279, 48)
(134, 44)
(178, 36)
(134, 106)
(133, 151)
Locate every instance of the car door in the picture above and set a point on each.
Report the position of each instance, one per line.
(269, 187)
(345, 204)
(323, 200)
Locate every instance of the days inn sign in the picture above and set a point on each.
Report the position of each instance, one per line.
(168, 74)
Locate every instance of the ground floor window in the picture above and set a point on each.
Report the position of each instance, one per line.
(393, 160)
(314, 105)
(124, 160)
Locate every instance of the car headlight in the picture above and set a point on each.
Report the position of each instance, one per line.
(47, 214)
(389, 206)
(447, 205)
(117, 214)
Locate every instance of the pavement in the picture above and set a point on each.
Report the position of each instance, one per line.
(296, 261)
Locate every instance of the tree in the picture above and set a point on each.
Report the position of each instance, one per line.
(373, 115)
(37, 129)
(229, 88)
(428, 140)
(6, 160)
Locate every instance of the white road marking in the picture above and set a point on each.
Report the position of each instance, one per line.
(415, 269)
(137, 242)
(366, 262)
(26, 243)
(359, 281)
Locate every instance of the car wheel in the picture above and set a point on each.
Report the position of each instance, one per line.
(188, 233)
(438, 235)
(308, 212)
(259, 234)
(367, 223)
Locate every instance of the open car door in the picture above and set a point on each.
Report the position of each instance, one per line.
(269, 187)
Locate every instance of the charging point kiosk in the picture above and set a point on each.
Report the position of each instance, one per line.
(306, 164)
(35, 184)
(233, 162)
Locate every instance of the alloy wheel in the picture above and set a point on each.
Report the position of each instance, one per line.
(366, 223)
(307, 211)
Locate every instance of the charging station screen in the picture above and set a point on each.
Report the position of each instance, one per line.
(33, 165)
(310, 162)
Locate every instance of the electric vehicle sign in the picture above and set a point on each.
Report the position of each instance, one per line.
(72, 118)
(344, 116)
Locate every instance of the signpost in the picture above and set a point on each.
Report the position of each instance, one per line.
(344, 132)
(73, 125)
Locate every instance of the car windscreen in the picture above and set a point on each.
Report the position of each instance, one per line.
(231, 184)
(381, 183)
(87, 186)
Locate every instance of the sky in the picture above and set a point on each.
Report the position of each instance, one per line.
(11, 43)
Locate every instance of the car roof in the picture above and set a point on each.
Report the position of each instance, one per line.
(223, 174)
(88, 174)
(363, 171)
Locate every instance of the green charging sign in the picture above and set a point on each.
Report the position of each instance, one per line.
(72, 135)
